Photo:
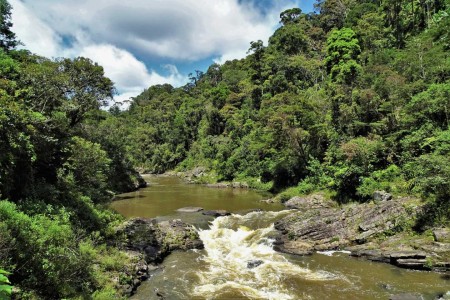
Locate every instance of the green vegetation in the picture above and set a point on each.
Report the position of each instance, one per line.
(58, 170)
(5, 286)
(349, 100)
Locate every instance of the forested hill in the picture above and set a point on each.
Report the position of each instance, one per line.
(351, 99)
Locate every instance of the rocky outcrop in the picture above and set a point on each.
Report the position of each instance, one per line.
(314, 201)
(370, 230)
(194, 175)
(381, 196)
(148, 242)
(216, 213)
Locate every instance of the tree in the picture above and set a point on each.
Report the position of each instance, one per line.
(342, 54)
(290, 15)
(7, 37)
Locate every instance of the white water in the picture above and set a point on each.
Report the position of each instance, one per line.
(230, 244)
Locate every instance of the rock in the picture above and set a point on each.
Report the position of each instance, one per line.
(406, 296)
(318, 225)
(216, 213)
(198, 171)
(220, 185)
(407, 254)
(313, 201)
(254, 263)
(270, 200)
(362, 238)
(189, 209)
(381, 196)
(373, 255)
(386, 286)
(441, 235)
(293, 247)
(411, 263)
(156, 240)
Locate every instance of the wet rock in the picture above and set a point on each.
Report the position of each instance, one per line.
(216, 213)
(357, 228)
(219, 185)
(406, 296)
(294, 247)
(254, 263)
(373, 255)
(157, 240)
(412, 263)
(442, 235)
(381, 196)
(189, 209)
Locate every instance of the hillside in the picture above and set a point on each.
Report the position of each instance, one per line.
(348, 100)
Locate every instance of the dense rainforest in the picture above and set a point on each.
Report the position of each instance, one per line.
(347, 100)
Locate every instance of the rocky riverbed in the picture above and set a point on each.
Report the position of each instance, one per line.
(379, 231)
(148, 242)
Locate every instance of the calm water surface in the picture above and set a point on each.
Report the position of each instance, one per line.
(221, 270)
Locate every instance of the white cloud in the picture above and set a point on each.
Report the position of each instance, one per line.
(130, 75)
(114, 34)
(176, 29)
(35, 33)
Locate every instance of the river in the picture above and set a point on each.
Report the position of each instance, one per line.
(238, 261)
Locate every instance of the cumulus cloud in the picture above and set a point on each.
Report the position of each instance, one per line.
(113, 33)
(128, 73)
(28, 27)
(176, 29)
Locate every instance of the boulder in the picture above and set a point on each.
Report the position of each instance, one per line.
(190, 209)
(216, 213)
(441, 235)
(313, 201)
(251, 264)
(157, 240)
(381, 196)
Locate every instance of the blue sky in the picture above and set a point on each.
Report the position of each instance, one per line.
(144, 42)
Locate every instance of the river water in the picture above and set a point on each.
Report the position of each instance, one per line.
(238, 261)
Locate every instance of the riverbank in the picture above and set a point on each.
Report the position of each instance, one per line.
(147, 242)
(379, 231)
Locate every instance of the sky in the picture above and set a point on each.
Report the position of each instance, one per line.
(141, 43)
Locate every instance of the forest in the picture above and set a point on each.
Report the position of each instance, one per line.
(347, 100)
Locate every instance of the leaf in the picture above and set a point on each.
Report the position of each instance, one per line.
(3, 279)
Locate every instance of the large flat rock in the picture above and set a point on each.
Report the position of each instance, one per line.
(190, 209)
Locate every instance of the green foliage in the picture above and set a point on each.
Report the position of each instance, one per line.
(343, 51)
(7, 37)
(274, 120)
(390, 179)
(87, 166)
(5, 286)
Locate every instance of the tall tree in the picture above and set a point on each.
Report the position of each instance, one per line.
(7, 37)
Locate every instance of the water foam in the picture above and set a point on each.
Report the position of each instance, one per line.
(230, 245)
